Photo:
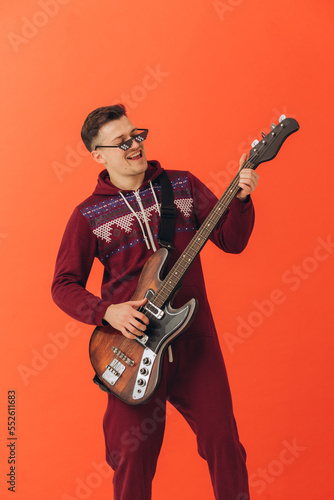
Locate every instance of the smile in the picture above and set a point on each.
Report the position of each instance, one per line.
(135, 156)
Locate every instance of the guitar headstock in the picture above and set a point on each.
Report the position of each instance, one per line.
(269, 146)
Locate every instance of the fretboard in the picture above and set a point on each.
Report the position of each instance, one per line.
(181, 266)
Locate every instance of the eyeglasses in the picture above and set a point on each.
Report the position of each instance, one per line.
(127, 144)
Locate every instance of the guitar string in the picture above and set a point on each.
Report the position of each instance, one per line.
(233, 185)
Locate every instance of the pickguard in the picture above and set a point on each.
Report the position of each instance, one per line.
(159, 330)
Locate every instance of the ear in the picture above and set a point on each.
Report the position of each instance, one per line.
(98, 156)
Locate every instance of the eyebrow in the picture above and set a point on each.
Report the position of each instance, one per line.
(121, 136)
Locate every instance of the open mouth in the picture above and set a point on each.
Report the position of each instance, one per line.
(136, 156)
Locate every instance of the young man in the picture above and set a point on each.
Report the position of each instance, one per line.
(119, 225)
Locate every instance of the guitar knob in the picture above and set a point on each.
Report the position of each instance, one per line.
(146, 361)
(141, 382)
(143, 371)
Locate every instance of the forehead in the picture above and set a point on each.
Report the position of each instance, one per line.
(116, 128)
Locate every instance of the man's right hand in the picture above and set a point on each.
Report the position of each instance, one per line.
(126, 318)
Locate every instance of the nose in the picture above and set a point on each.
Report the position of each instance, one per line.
(134, 144)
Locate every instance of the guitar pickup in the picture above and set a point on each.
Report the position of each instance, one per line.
(123, 356)
(154, 310)
(113, 372)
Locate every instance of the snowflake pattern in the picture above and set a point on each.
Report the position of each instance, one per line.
(124, 222)
(185, 205)
(111, 217)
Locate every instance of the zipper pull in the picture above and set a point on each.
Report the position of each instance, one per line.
(170, 354)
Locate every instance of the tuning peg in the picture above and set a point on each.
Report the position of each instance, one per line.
(281, 118)
(272, 126)
(254, 143)
(263, 135)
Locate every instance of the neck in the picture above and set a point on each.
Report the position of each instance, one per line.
(129, 183)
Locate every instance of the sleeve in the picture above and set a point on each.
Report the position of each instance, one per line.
(235, 227)
(73, 265)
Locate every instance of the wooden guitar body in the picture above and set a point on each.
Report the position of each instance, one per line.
(131, 369)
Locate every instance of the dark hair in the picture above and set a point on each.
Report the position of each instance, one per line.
(96, 119)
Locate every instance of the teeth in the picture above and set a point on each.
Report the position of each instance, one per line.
(136, 154)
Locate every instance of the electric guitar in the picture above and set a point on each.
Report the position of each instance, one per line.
(131, 369)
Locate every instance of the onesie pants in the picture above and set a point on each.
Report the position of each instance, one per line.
(196, 384)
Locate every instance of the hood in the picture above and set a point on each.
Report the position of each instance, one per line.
(105, 187)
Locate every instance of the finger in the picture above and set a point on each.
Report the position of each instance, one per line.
(138, 325)
(137, 303)
(141, 317)
(242, 160)
(251, 180)
(245, 188)
(249, 172)
(128, 335)
(247, 184)
(131, 330)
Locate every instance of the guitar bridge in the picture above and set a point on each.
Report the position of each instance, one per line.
(113, 372)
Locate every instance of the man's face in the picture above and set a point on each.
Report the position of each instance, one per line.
(120, 164)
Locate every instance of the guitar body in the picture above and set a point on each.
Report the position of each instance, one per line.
(131, 369)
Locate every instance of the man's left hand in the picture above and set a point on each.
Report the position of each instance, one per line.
(248, 180)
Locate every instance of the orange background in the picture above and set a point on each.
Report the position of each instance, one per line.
(223, 72)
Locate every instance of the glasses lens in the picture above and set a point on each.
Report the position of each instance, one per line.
(139, 138)
(142, 136)
(126, 145)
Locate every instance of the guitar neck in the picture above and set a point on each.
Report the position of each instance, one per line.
(181, 266)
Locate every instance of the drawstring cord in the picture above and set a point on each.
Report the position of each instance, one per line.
(148, 229)
(155, 197)
(138, 219)
(148, 239)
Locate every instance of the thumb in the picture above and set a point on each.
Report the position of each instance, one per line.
(242, 160)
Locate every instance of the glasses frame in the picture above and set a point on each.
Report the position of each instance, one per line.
(128, 143)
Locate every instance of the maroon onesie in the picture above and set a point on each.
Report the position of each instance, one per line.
(120, 228)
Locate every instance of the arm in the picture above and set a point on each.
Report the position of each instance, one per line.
(74, 262)
(233, 231)
(75, 258)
